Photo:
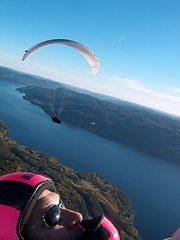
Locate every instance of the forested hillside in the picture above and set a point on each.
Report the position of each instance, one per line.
(147, 131)
(153, 133)
(91, 194)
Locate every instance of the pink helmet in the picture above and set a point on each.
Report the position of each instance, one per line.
(99, 228)
(18, 195)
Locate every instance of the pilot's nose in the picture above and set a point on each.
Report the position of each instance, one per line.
(71, 218)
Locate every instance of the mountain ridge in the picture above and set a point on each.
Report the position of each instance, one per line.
(151, 132)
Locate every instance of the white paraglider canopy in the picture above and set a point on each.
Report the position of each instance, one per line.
(86, 53)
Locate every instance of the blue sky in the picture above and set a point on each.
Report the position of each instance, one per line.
(137, 43)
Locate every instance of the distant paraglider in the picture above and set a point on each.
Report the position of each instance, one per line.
(87, 54)
(55, 118)
(83, 50)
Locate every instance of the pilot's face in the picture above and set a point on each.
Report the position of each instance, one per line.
(68, 228)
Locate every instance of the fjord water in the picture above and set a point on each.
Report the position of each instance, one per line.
(152, 185)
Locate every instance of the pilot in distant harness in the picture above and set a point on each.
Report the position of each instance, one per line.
(55, 118)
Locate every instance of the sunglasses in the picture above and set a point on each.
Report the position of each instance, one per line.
(51, 217)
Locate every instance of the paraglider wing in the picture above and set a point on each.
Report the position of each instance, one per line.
(87, 54)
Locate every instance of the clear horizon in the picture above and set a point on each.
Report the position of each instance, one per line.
(136, 42)
(83, 89)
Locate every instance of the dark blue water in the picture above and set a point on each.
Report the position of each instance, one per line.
(152, 185)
